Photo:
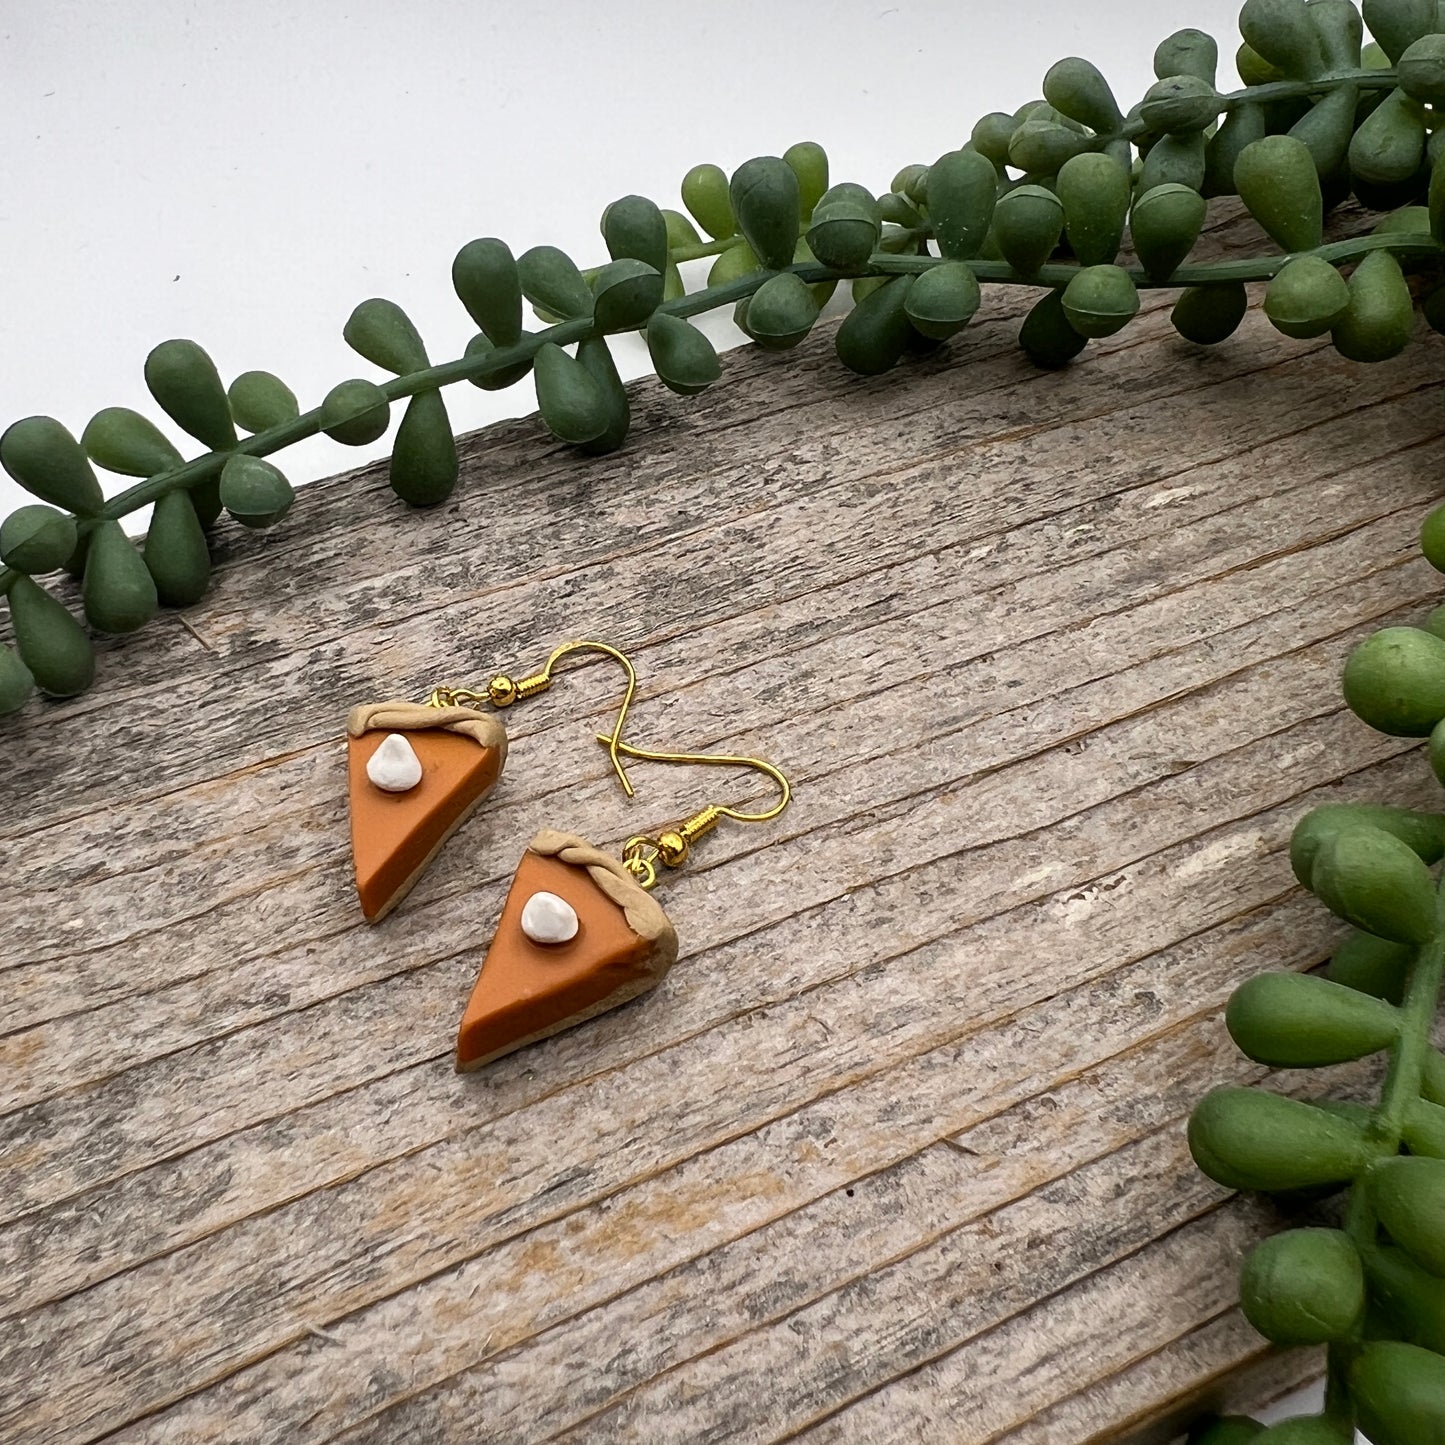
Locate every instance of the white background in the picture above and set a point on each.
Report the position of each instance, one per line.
(244, 173)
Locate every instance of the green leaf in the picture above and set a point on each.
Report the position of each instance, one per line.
(124, 441)
(1027, 224)
(680, 231)
(355, 412)
(1164, 226)
(486, 280)
(1277, 180)
(1399, 1393)
(1370, 878)
(184, 381)
(260, 401)
(254, 492)
(176, 553)
(733, 264)
(1297, 1021)
(962, 192)
(1395, 681)
(118, 591)
(1180, 105)
(992, 135)
(685, 360)
(635, 228)
(875, 332)
(1208, 315)
(1422, 70)
(1381, 315)
(1094, 190)
(1374, 966)
(36, 539)
(765, 199)
(595, 357)
(1244, 125)
(1077, 89)
(1248, 1139)
(1422, 833)
(551, 281)
(809, 162)
(705, 192)
(573, 404)
(1281, 33)
(845, 228)
(51, 643)
(1327, 128)
(1398, 24)
(1046, 335)
(50, 464)
(1174, 160)
(781, 312)
(16, 683)
(1409, 1199)
(424, 465)
(1304, 1287)
(382, 332)
(1306, 298)
(480, 345)
(1187, 52)
(626, 293)
(1100, 300)
(1389, 146)
(943, 300)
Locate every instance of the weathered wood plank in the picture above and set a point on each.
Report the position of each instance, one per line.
(1052, 660)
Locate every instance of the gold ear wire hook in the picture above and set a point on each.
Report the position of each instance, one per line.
(672, 845)
(502, 691)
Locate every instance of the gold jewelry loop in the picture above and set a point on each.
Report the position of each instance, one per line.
(502, 691)
(672, 845)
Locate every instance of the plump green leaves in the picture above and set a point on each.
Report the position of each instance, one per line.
(1208, 315)
(52, 644)
(626, 293)
(780, 312)
(1277, 180)
(118, 591)
(573, 404)
(36, 539)
(1398, 24)
(1047, 336)
(1244, 125)
(383, 333)
(875, 332)
(962, 191)
(355, 412)
(122, 440)
(705, 194)
(1376, 966)
(175, 551)
(1027, 224)
(1100, 300)
(1422, 70)
(1076, 88)
(1408, 1196)
(1389, 145)
(1180, 105)
(16, 682)
(1423, 833)
(423, 467)
(184, 381)
(810, 164)
(1165, 224)
(733, 264)
(1187, 52)
(551, 281)
(1281, 33)
(766, 200)
(942, 301)
(1248, 1139)
(40, 454)
(254, 492)
(1399, 1393)
(845, 227)
(486, 280)
(1297, 1021)
(260, 401)
(1327, 127)
(1094, 191)
(1370, 878)
(1395, 681)
(1380, 318)
(595, 357)
(497, 380)
(1043, 142)
(685, 360)
(1307, 298)
(1304, 1287)
(634, 228)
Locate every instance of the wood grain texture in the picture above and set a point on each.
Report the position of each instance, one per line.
(896, 1150)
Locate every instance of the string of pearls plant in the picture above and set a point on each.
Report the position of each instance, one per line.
(1040, 198)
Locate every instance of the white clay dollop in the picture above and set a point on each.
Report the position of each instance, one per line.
(394, 767)
(549, 919)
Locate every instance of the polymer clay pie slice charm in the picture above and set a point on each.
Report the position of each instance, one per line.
(579, 935)
(415, 774)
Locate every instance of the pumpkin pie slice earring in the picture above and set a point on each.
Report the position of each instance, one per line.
(580, 931)
(416, 772)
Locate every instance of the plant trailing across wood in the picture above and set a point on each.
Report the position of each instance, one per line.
(1042, 198)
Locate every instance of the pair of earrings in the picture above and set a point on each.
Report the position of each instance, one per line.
(580, 931)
